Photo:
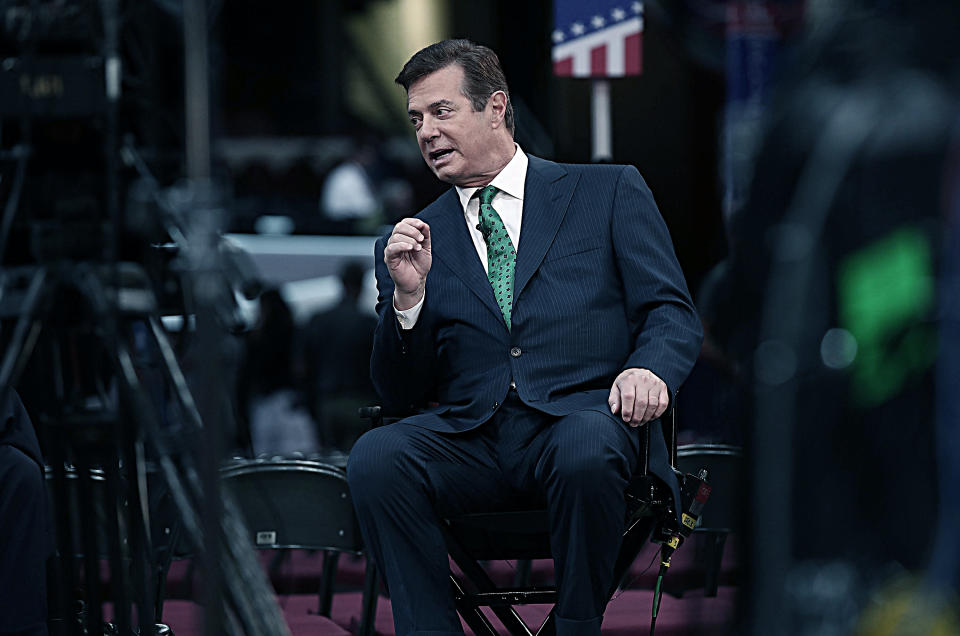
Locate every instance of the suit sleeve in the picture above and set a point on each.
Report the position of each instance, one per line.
(402, 365)
(667, 330)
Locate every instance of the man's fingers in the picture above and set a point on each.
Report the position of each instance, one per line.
(664, 402)
(420, 224)
(425, 230)
(412, 227)
(628, 397)
(412, 232)
(397, 248)
(614, 399)
(403, 231)
(413, 221)
(658, 401)
(403, 238)
(650, 408)
(639, 396)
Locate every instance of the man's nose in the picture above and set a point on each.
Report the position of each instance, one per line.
(428, 130)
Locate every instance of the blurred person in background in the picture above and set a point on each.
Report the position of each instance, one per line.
(270, 394)
(25, 534)
(350, 197)
(943, 577)
(337, 347)
(828, 303)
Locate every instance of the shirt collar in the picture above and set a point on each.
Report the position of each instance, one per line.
(510, 180)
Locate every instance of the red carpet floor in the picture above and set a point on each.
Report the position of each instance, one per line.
(627, 615)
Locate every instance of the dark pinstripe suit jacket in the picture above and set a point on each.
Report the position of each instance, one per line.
(597, 290)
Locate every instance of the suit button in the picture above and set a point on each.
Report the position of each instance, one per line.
(515, 352)
(495, 405)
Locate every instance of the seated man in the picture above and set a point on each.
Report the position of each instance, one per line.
(553, 323)
(25, 542)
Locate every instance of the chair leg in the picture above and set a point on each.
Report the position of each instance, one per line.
(521, 577)
(368, 612)
(473, 616)
(325, 595)
(549, 625)
(634, 539)
(714, 558)
(279, 558)
(472, 570)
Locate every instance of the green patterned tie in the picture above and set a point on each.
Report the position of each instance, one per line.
(501, 256)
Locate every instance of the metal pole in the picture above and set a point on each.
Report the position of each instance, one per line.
(197, 119)
(197, 89)
(602, 130)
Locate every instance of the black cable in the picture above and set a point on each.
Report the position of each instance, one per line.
(666, 553)
(625, 586)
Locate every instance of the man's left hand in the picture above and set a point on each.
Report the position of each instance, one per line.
(638, 396)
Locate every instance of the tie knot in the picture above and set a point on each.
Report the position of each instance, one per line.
(486, 194)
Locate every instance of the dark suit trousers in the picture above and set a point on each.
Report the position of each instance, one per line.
(24, 545)
(404, 479)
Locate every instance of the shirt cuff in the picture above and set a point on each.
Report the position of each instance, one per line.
(408, 317)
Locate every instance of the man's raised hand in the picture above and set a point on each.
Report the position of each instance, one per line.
(638, 396)
(408, 256)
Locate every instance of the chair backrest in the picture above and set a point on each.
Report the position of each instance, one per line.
(293, 503)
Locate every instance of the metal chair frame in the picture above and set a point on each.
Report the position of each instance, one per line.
(476, 537)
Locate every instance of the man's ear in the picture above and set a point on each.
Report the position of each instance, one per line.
(497, 105)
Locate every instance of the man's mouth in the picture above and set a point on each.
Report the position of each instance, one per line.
(438, 155)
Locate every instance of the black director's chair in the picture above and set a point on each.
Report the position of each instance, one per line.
(523, 535)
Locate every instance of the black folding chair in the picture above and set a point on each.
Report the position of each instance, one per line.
(299, 503)
(524, 535)
(725, 465)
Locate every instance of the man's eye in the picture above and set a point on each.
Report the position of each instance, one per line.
(415, 121)
(443, 112)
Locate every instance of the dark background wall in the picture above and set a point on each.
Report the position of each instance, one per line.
(284, 74)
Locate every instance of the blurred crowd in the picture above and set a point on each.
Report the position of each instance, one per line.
(352, 184)
(299, 385)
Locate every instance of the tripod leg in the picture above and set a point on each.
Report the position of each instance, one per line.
(88, 537)
(65, 566)
(247, 593)
(64, 581)
(25, 333)
(174, 374)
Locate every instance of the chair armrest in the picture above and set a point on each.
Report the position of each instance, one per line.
(372, 413)
(377, 416)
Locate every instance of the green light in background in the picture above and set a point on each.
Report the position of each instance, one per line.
(886, 301)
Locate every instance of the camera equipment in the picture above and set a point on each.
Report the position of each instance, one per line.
(694, 492)
(91, 139)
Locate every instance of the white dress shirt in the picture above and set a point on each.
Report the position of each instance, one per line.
(508, 203)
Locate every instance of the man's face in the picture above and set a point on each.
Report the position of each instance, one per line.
(458, 143)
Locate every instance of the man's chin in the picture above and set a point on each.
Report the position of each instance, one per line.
(443, 173)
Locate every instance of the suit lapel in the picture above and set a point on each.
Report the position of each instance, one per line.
(546, 196)
(452, 245)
